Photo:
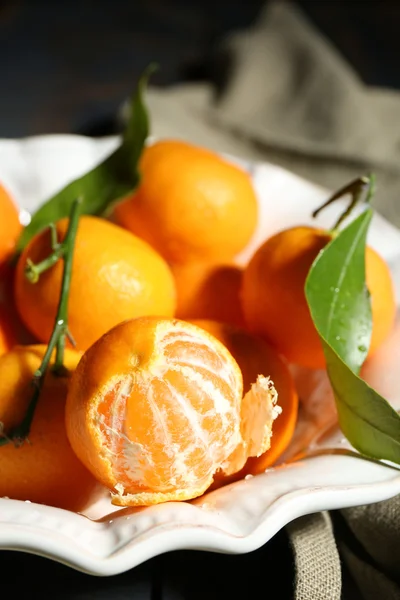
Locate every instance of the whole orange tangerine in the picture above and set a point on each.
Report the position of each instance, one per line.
(115, 276)
(154, 411)
(44, 469)
(7, 333)
(208, 291)
(191, 204)
(12, 330)
(274, 302)
(10, 226)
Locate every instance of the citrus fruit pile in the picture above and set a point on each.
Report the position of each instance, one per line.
(176, 362)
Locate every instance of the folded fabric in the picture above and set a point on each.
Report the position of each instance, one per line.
(288, 97)
(284, 95)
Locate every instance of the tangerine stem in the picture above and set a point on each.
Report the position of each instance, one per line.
(361, 189)
(62, 311)
(20, 433)
(53, 236)
(58, 367)
(57, 340)
(71, 338)
(33, 271)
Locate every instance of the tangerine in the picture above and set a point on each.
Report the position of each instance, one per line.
(255, 357)
(12, 330)
(115, 276)
(45, 469)
(208, 291)
(10, 226)
(191, 203)
(274, 302)
(7, 333)
(154, 411)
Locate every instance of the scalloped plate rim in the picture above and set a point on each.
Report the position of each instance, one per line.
(55, 544)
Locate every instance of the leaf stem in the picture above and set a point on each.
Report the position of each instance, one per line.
(60, 330)
(361, 189)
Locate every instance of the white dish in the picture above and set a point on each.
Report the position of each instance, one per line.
(243, 516)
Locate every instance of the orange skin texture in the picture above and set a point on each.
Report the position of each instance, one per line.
(154, 411)
(10, 226)
(46, 470)
(8, 336)
(274, 302)
(191, 204)
(383, 300)
(12, 330)
(255, 357)
(209, 291)
(115, 276)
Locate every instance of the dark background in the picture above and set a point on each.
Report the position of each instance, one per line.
(66, 65)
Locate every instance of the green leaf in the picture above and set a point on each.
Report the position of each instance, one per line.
(340, 307)
(138, 126)
(367, 420)
(113, 179)
(337, 294)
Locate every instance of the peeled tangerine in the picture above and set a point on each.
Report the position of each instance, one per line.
(155, 410)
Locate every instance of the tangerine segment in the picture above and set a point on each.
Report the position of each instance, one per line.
(207, 290)
(191, 203)
(154, 410)
(115, 276)
(45, 469)
(255, 357)
(258, 413)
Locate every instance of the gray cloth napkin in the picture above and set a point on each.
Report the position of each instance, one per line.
(284, 95)
(288, 97)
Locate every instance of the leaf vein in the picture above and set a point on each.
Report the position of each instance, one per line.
(343, 273)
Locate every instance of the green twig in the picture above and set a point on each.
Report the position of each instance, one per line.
(33, 271)
(60, 331)
(71, 338)
(53, 237)
(361, 189)
(62, 312)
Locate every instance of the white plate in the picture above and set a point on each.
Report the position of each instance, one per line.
(243, 516)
